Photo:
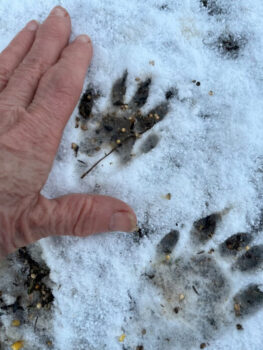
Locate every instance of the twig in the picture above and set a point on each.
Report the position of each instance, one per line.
(195, 290)
(95, 164)
(111, 151)
(35, 325)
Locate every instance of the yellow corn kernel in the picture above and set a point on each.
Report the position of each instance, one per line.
(122, 337)
(17, 345)
(181, 297)
(15, 323)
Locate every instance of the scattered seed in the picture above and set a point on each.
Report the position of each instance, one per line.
(156, 116)
(77, 120)
(181, 297)
(203, 345)
(39, 306)
(168, 196)
(239, 327)
(144, 331)
(118, 142)
(137, 79)
(211, 93)
(139, 347)
(75, 148)
(193, 81)
(49, 343)
(150, 115)
(176, 310)
(211, 251)
(167, 257)
(124, 107)
(123, 130)
(17, 345)
(152, 63)
(33, 275)
(37, 286)
(15, 323)
(247, 247)
(122, 337)
(237, 309)
(84, 127)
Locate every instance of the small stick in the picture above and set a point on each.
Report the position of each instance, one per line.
(107, 154)
(95, 164)
(35, 326)
(195, 290)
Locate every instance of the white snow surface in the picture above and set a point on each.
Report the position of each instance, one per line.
(207, 164)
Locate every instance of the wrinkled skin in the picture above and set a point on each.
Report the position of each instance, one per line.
(41, 78)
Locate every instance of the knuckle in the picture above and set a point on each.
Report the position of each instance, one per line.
(33, 65)
(86, 215)
(4, 76)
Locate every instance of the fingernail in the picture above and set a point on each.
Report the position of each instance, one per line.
(59, 11)
(83, 38)
(32, 25)
(122, 221)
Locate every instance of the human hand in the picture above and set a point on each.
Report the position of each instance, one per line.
(41, 78)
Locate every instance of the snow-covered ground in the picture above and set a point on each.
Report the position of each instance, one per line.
(209, 157)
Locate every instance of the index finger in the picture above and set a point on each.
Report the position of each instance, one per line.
(59, 90)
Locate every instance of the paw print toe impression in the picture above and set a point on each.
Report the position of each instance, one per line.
(196, 290)
(119, 126)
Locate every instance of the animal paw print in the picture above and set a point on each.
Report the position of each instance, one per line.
(122, 123)
(196, 290)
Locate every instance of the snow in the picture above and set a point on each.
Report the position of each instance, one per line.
(208, 164)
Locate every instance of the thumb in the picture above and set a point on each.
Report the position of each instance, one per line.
(81, 215)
